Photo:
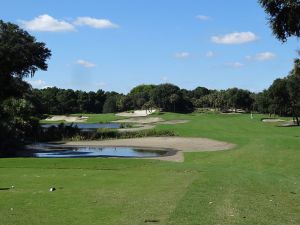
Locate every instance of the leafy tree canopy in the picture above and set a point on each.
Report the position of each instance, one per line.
(20, 54)
(284, 17)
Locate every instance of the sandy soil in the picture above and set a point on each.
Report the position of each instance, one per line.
(272, 120)
(177, 144)
(74, 119)
(136, 113)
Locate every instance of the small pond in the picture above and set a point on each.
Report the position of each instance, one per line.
(88, 126)
(52, 151)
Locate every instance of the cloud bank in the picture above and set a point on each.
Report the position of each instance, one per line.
(46, 23)
(95, 23)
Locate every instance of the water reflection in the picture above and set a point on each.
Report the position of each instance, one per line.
(52, 151)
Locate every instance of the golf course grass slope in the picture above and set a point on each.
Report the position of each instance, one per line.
(255, 183)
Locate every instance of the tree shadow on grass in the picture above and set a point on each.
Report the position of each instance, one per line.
(4, 189)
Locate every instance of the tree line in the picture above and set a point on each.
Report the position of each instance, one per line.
(281, 98)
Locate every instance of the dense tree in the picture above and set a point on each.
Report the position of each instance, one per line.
(262, 102)
(139, 95)
(293, 86)
(174, 98)
(20, 56)
(110, 104)
(161, 96)
(279, 96)
(284, 17)
(200, 92)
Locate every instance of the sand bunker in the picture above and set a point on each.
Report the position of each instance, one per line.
(70, 119)
(290, 123)
(179, 144)
(136, 113)
(272, 120)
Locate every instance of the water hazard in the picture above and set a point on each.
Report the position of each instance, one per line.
(52, 151)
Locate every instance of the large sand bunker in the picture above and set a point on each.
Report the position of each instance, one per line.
(136, 113)
(70, 119)
(179, 144)
(270, 120)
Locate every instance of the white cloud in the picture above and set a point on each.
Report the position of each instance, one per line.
(182, 55)
(235, 65)
(203, 17)
(264, 56)
(47, 23)
(95, 23)
(210, 54)
(235, 38)
(40, 84)
(85, 63)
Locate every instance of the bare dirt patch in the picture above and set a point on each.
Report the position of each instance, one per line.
(70, 119)
(179, 144)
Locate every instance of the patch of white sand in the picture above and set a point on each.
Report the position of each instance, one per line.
(136, 113)
(70, 119)
(289, 124)
(272, 120)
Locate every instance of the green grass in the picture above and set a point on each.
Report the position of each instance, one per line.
(258, 182)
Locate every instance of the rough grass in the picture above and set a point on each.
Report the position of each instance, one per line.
(258, 182)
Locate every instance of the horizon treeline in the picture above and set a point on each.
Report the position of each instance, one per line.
(277, 99)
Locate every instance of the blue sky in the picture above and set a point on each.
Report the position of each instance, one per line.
(118, 44)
